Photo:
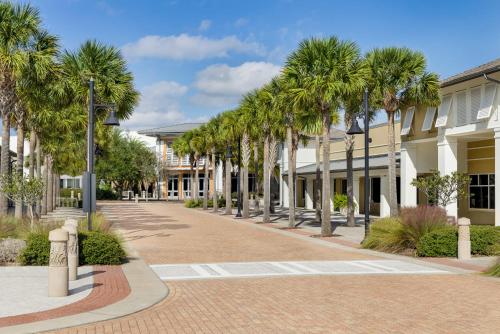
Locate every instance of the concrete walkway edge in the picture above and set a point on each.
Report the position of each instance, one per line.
(146, 290)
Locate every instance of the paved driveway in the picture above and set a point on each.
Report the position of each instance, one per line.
(349, 303)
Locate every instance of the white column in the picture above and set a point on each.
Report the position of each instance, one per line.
(309, 193)
(497, 171)
(408, 172)
(355, 191)
(447, 163)
(284, 190)
(385, 210)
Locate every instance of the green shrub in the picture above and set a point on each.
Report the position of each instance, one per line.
(100, 248)
(340, 201)
(418, 221)
(66, 192)
(37, 250)
(485, 241)
(441, 242)
(193, 203)
(99, 223)
(106, 194)
(385, 236)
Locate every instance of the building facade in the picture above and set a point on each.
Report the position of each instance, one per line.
(462, 134)
(174, 172)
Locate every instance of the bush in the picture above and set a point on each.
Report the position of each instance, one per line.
(99, 223)
(100, 248)
(66, 192)
(418, 221)
(106, 194)
(10, 249)
(37, 250)
(385, 236)
(340, 201)
(485, 241)
(193, 203)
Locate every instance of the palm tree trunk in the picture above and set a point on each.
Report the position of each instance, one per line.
(246, 152)
(228, 187)
(38, 173)
(256, 173)
(18, 212)
(391, 155)
(215, 197)
(349, 142)
(50, 185)
(205, 183)
(46, 186)
(291, 183)
(191, 180)
(267, 183)
(197, 180)
(5, 159)
(317, 192)
(32, 154)
(326, 226)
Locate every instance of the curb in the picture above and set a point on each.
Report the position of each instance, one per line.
(146, 290)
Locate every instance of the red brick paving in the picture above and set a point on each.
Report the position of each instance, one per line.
(438, 304)
(110, 286)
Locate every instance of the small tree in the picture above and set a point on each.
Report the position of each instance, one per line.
(21, 189)
(443, 190)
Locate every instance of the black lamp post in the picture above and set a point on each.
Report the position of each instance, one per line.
(238, 186)
(89, 176)
(354, 130)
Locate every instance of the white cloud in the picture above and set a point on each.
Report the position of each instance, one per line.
(159, 105)
(186, 46)
(204, 25)
(221, 85)
(240, 22)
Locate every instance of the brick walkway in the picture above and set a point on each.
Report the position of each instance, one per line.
(110, 286)
(312, 304)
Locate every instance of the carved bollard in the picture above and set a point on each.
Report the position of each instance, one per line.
(464, 247)
(70, 225)
(136, 198)
(58, 263)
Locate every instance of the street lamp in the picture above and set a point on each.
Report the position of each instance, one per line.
(238, 186)
(355, 130)
(89, 176)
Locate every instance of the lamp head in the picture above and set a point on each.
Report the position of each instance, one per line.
(354, 129)
(112, 120)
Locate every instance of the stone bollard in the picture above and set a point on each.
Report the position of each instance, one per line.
(58, 263)
(72, 194)
(70, 225)
(464, 247)
(136, 198)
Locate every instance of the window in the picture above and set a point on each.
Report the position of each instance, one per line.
(443, 111)
(69, 183)
(429, 118)
(76, 183)
(344, 186)
(487, 101)
(405, 129)
(482, 191)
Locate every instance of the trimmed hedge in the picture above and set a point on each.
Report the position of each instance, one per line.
(37, 250)
(100, 248)
(96, 247)
(485, 240)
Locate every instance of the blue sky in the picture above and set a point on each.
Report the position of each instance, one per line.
(193, 59)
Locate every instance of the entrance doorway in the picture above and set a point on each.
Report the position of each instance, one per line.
(173, 187)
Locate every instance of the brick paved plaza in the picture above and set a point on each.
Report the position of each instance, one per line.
(390, 303)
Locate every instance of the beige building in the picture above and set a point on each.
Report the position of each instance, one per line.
(462, 134)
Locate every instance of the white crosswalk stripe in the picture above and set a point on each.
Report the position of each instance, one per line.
(289, 268)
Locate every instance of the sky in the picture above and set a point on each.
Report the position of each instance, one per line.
(194, 59)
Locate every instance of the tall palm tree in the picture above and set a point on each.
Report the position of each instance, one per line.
(322, 70)
(250, 132)
(229, 133)
(400, 79)
(18, 24)
(182, 147)
(213, 138)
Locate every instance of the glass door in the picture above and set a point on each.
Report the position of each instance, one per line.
(186, 186)
(173, 187)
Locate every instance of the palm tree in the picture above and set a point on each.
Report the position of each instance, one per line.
(321, 71)
(213, 137)
(270, 122)
(18, 24)
(250, 131)
(229, 132)
(182, 147)
(199, 142)
(400, 79)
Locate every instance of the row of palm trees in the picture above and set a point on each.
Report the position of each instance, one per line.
(44, 96)
(322, 82)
